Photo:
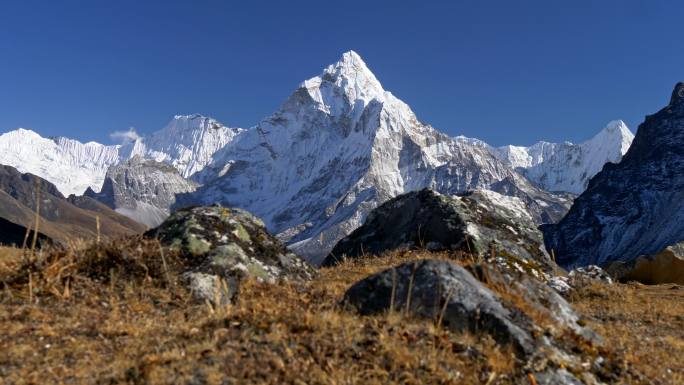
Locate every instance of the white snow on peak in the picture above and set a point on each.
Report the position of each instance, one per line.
(346, 83)
(69, 164)
(336, 148)
(188, 143)
(566, 166)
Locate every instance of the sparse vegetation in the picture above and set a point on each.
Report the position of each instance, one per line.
(110, 314)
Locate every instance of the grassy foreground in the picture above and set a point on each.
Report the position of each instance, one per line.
(119, 316)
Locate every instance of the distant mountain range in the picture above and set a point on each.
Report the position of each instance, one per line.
(339, 146)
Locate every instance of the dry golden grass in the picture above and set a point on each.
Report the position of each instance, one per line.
(110, 314)
(70, 323)
(644, 323)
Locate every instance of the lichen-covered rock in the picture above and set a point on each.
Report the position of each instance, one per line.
(222, 246)
(481, 223)
(539, 324)
(666, 266)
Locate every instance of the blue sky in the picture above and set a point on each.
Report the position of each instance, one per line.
(503, 71)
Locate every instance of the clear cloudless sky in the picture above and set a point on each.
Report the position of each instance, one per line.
(508, 72)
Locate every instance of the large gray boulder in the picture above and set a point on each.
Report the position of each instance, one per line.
(222, 246)
(477, 224)
(539, 324)
(439, 289)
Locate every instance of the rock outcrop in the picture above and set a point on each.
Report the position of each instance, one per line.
(632, 208)
(477, 224)
(579, 278)
(545, 332)
(222, 246)
(142, 189)
(666, 266)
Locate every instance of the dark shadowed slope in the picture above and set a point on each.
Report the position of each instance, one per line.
(59, 219)
(634, 207)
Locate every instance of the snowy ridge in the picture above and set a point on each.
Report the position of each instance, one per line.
(70, 165)
(634, 207)
(188, 143)
(566, 166)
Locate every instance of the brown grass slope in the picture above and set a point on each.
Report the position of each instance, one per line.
(115, 313)
(61, 219)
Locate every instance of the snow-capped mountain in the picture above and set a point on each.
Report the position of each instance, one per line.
(566, 166)
(70, 165)
(188, 143)
(338, 147)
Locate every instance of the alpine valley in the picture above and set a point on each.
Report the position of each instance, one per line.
(338, 147)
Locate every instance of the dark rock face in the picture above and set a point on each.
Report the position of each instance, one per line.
(473, 224)
(448, 293)
(224, 246)
(12, 234)
(632, 208)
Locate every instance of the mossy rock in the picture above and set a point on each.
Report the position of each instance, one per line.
(222, 246)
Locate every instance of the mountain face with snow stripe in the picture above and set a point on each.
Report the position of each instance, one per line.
(566, 166)
(338, 147)
(188, 143)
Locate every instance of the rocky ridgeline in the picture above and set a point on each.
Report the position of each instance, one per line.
(632, 208)
(481, 224)
(142, 189)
